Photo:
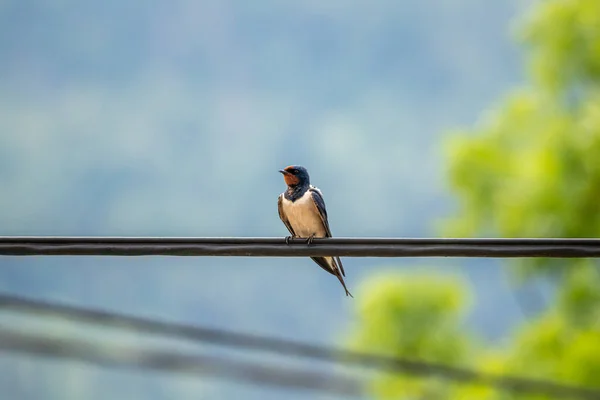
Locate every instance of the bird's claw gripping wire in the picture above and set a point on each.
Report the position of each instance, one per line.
(309, 240)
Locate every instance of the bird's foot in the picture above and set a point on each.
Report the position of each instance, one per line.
(287, 240)
(310, 239)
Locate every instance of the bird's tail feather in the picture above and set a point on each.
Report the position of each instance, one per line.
(341, 267)
(340, 273)
(335, 268)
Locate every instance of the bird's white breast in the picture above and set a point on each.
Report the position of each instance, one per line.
(303, 216)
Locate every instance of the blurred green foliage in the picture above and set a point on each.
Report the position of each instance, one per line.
(412, 316)
(531, 168)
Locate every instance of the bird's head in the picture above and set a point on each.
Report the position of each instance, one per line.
(295, 175)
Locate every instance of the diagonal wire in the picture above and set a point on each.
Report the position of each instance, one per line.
(171, 362)
(295, 348)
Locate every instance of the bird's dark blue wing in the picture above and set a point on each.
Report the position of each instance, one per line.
(317, 198)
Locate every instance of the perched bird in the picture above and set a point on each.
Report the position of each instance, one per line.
(302, 210)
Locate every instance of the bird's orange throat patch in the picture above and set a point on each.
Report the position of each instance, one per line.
(290, 179)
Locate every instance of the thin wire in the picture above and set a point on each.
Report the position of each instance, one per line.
(168, 361)
(294, 348)
(277, 247)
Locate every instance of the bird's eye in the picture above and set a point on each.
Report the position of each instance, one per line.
(294, 171)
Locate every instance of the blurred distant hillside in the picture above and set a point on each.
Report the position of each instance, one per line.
(172, 118)
(143, 119)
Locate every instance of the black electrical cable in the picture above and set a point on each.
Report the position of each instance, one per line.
(277, 247)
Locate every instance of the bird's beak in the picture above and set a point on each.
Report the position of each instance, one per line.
(283, 171)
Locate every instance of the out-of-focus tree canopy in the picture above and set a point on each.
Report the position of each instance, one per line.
(530, 168)
(412, 316)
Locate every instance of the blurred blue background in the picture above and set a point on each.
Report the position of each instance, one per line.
(172, 118)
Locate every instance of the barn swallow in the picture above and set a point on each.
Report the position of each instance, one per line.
(302, 210)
